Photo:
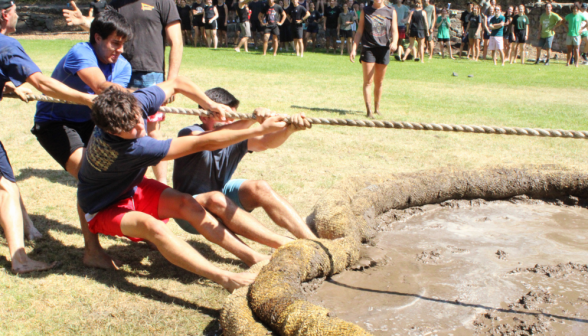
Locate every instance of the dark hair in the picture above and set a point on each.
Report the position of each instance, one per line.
(222, 96)
(108, 22)
(115, 111)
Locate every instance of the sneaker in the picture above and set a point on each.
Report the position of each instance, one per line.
(546, 63)
(584, 57)
(537, 61)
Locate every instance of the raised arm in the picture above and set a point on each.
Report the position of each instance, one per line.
(56, 89)
(74, 17)
(174, 33)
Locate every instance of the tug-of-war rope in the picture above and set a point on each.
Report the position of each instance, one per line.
(539, 132)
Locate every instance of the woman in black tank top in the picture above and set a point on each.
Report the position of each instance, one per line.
(223, 16)
(210, 23)
(417, 31)
(198, 23)
(378, 33)
(244, 26)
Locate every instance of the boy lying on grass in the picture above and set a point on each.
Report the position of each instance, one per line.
(119, 201)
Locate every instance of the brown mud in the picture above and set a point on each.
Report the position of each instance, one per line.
(515, 267)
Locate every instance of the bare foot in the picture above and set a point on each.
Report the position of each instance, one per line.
(31, 232)
(30, 265)
(370, 115)
(377, 112)
(238, 280)
(101, 260)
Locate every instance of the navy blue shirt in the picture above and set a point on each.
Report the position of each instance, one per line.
(80, 57)
(15, 65)
(112, 167)
(207, 170)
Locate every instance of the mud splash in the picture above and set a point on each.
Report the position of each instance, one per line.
(470, 267)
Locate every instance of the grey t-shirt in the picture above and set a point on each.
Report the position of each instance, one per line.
(430, 9)
(350, 16)
(402, 12)
(376, 29)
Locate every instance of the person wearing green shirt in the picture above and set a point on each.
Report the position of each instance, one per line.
(584, 32)
(496, 26)
(431, 15)
(520, 32)
(573, 25)
(548, 22)
(443, 24)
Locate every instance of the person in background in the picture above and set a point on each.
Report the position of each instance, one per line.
(286, 39)
(465, 19)
(573, 25)
(185, 18)
(507, 34)
(297, 14)
(210, 24)
(431, 15)
(231, 8)
(378, 33)
(330, 25)
(346, 19)
(16, 68)
(402, 12)
(350, 4)
(418, 28)
(520, 31)
(474, 29)
(312, 27)
(198, 23)
(584, 32)
(244, 25)
(487, 30)
(223, 17)
(271, 17)
(256, 6)
(443, 24)
(548, 22)
(96, 7)
(496, 26)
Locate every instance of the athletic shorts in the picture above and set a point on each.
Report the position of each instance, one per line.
(275, 30)
(313, 29)
(145, 79)
(521, 36)
(186, 25)
(573, 40)
(145, 200)
(545, 42)
(256, 26)
(401, 32)
(472, 35)
(486, 36)
(379, 55)
(444, 40)
(61, 139)
(197, 21)
(297, 32)
(418, 33)
(245, 29)
(231, 190)
(221, 26)
(345, 34)
(5, 166)
(495, 43)
(331, 32)
(211, 26)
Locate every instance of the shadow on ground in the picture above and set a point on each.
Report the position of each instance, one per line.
(51, 175)
(324, 109)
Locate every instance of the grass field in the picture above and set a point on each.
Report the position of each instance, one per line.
(149, 295)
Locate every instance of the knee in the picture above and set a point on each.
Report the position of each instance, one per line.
(216, 202)
(187, 204)
(258, 191)
(155, 229)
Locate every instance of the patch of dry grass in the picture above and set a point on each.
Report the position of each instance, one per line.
(149, 295)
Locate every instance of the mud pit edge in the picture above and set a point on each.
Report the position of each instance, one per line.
(345, 218)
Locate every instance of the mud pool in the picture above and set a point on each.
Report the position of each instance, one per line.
(470, 267)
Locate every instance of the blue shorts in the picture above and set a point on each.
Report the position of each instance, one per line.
(144, 79)
(5, 167)
(231, 190)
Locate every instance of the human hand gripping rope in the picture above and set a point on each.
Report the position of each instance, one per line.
(538, 132)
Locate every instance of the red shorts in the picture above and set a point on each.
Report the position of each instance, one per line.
(401, 33)
(159, 116)
(146, 200)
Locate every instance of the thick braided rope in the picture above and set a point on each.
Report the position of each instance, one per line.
(539, 132)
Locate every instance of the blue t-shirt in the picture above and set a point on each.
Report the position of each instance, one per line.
(80, 57)
(500, 31)
(112, 167)
(15, 65)
(207, 170)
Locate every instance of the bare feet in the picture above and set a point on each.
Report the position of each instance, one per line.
(377, 112)
(30, 265)
(370, 115)
(100, 260)
(237, 280)
(31, 232)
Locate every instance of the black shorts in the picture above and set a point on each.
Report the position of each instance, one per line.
(297, 32)
(442, 39)
(379, 55)
(221, 26)
(61, 139)
(521, 36)
(313, 29)
(486, 36)
(186, 25)
(418, 33)
(5, 167)
(211, 26)
(256, 26)
(275, 30)
(345, 33)
(197, 22)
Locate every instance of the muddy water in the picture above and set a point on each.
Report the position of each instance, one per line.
(495, 268)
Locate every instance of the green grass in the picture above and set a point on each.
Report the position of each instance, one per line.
(150, 296)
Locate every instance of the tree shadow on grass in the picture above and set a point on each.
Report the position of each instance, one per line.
(51, 175)
(49, 249)
(324, 109)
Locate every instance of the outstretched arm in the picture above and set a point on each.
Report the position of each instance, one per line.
(74, 17)
(298, 122)
(56, 89)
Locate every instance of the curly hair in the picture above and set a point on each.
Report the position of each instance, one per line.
(115, 111)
